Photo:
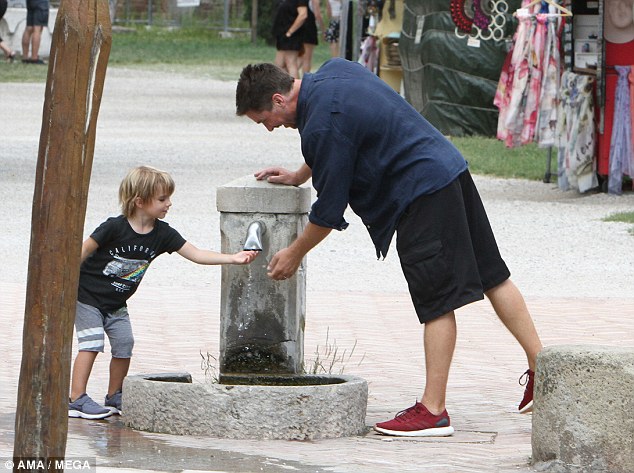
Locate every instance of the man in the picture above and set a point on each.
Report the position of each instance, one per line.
(366, 147)
(36, 20)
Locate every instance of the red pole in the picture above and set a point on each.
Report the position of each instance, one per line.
(76, 72)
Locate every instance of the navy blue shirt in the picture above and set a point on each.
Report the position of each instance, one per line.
(368, 148)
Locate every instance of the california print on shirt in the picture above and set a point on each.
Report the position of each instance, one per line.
(131, 270)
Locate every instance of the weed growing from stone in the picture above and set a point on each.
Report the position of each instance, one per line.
(209, 366)
(329, 359)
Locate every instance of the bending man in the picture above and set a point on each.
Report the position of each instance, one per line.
(366, 147)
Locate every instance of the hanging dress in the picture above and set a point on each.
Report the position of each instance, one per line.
(547, 119)
(576, 133)
(534, 86)
(514, 116)
(621, 141)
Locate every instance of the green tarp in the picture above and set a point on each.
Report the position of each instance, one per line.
(450, 82)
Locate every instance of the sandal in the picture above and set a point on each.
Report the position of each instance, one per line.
(11, 56)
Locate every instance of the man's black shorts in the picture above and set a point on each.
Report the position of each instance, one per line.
(447, 249)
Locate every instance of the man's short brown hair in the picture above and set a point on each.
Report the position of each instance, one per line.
(257, 85)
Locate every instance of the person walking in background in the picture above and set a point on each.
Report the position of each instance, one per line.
(114, 260)
(287, 31)
(406, 179)
(8, 53)
(311, 35)
(36, 20)
(331, 35)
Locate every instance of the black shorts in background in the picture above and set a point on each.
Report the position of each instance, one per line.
(310, 29)
(294, 43)
(447, 250)
(37, 12)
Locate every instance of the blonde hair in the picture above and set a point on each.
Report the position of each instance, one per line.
(144, 182)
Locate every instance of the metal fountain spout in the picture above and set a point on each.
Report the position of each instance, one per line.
(253, 240)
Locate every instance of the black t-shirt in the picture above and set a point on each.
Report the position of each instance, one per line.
(110, 276)
(286, 14)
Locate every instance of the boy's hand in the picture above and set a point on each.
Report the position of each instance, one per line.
(245, 257)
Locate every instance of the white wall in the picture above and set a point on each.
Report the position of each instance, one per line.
(12, 26)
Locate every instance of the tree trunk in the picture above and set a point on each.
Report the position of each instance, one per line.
(76, 72)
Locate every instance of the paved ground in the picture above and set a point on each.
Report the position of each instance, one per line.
(574, 269)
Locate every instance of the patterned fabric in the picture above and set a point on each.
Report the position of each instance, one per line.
(576, 134)
(533, 93)
(527, 92)
(631, 79)
(369, 56)
(547, 120)
(511, 93)
(332, 33)
(621, 141)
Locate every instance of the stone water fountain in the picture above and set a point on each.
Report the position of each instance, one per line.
(262, 392)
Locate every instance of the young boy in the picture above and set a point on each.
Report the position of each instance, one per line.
(114, 259)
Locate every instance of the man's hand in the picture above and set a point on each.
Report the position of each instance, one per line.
(286, 261)
(284, 264)
(278, 175)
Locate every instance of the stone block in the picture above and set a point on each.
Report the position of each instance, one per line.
(261, 320)
(289, 412)
(583, 415)
(248, 195)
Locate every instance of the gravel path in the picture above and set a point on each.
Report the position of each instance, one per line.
(555, 242)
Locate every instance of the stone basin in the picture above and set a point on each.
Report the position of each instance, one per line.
(296, 407)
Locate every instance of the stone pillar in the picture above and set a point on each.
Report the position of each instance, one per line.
(583, 416)
(261, 320)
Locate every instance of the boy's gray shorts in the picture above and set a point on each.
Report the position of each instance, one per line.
(91, 324)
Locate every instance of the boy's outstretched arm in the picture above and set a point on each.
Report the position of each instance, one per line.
(199, 256)
(88, 247)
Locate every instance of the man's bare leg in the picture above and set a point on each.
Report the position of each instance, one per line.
(440, 342)
(509, 305)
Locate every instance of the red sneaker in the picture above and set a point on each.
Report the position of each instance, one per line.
(527, 379)
(417, 421)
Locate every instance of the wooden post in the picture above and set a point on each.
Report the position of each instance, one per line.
(254, 21)
(76, 72)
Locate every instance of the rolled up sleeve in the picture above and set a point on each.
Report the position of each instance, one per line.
(332, 162)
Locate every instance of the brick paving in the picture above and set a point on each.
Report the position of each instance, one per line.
(575, 270)
(173, 327)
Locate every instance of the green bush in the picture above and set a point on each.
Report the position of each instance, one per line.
(266, 14)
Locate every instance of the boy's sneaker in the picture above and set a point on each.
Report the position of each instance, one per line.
(86, 408)
(114, 402)
(527, 379)
(417, 421)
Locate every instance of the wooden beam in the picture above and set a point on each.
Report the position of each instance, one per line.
(76, 72)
